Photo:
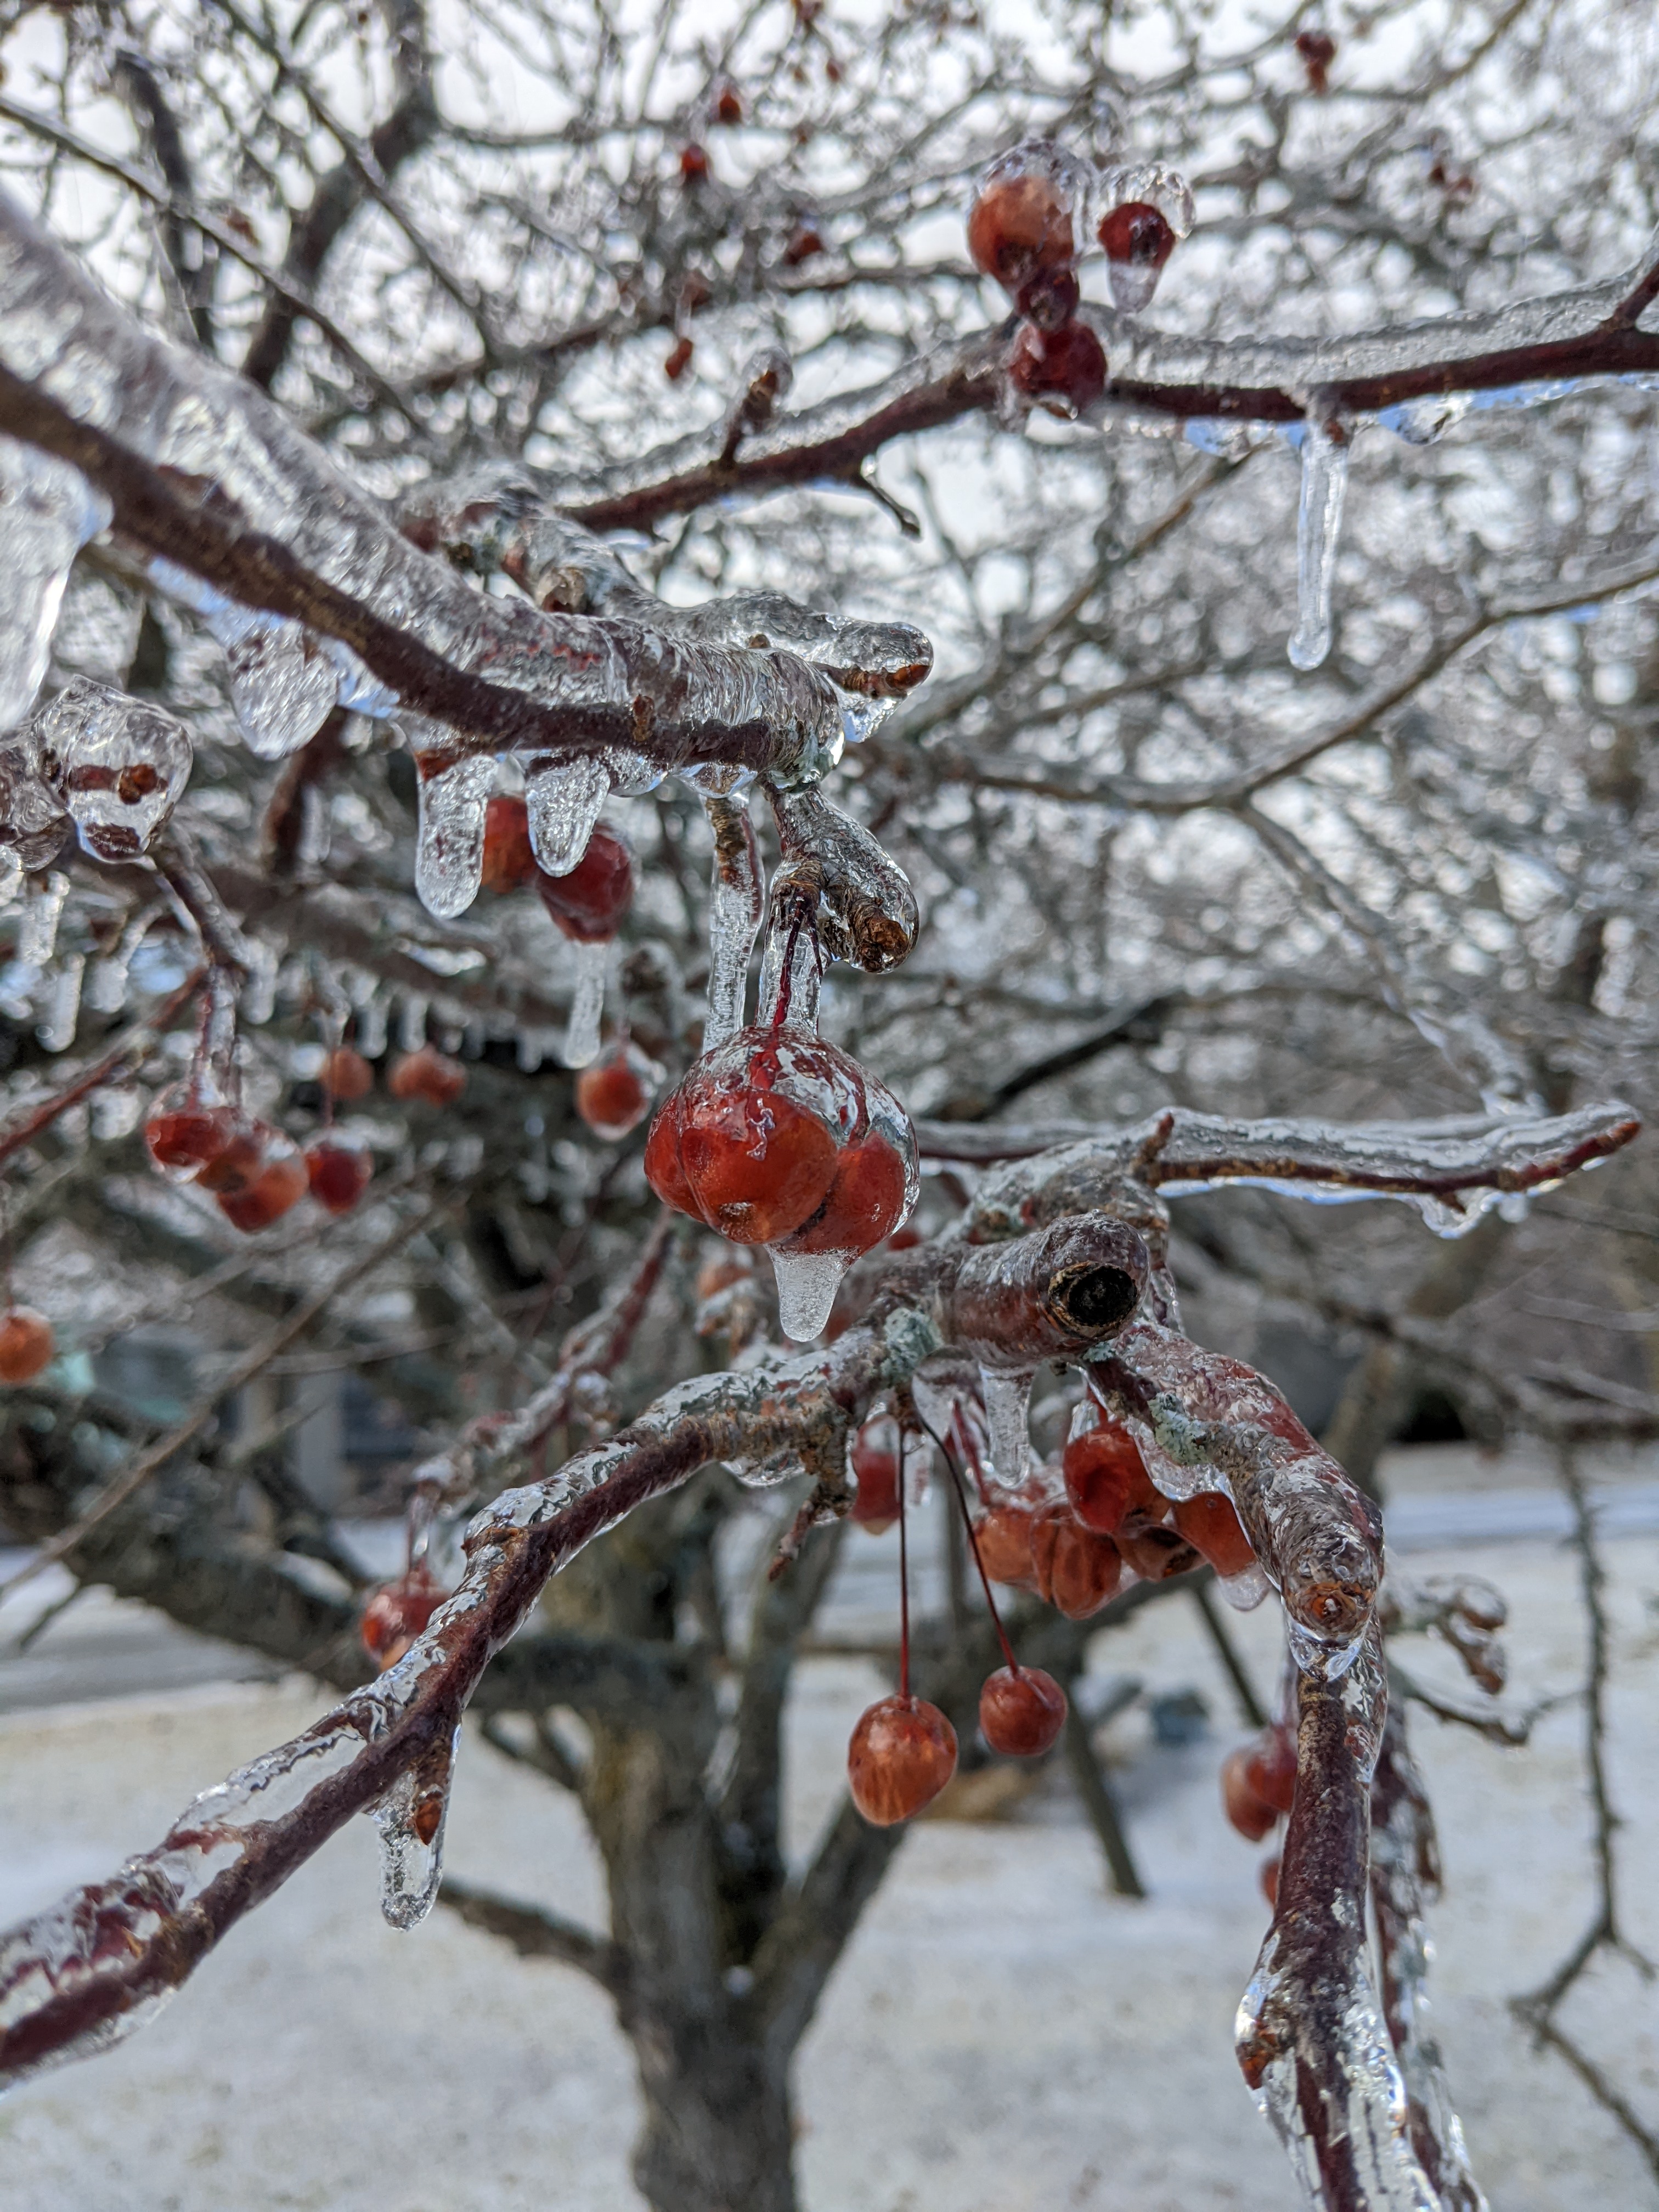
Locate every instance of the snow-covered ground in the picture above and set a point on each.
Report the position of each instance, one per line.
(1004, 2035)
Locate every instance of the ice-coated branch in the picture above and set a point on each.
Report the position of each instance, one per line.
(1405, 1880)
(1206, 1422)
(1570, 334)
(89, 1969)
(128, 1050)
(868, 911)
(1452, 1170)
(206, 477)
(1311, 2039)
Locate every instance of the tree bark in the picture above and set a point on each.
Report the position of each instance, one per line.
(719, 2130)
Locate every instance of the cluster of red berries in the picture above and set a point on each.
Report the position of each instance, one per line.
(398, 1612)
(1027, 227)
(776, 1137)
(1071, 1544)
(1258, 1784)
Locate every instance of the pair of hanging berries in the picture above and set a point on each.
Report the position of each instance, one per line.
(1028, 229)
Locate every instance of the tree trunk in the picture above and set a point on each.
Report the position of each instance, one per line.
(718, 2134)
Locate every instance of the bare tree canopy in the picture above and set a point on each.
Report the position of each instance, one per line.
(1158, 505)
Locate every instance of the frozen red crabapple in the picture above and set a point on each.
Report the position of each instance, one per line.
(398, 1613)
(1023, 228)
(508, 862)
(346, 1076)
(776, 1137)
(427, 1074)
(1022, 1711)
(1063, 369)
(614, 1094)
(338, 1174)
(589, 902)
(901, 1754)
(27, 1344)
(1146, 210)
(876, 1471)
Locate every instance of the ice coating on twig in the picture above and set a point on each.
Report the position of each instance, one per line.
(450, 842)
(410, 1818)
(564, 799)
(1311, 2038)
(737, 900)
(1452, 1170)
(1205, 1422)
(48, 511)
(118, 764)
(287, 535)
(589, 960)
(1325, 445)
(866, 910)
(1405, 1879)
(33, 821)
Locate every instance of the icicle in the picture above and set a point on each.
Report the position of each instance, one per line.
(449, 858)
(633, 775)
(117, 1110)
(370, 1009)
(11, 876)
(735, 905)
(1007, 1412)
(37, 932)
(1246, 1590)
(1325, 445)
(564, 798)
(48, 511)
(282, 685)
(258, 994)
(807, 1282)
(590, 960)
(410, 1818)
(107, 978)
(56, 1032)
(412, 1022)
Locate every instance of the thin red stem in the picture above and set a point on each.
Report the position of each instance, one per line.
(904, 1583)
(960, 1489)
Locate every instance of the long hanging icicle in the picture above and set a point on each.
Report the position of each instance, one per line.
(1325, 445)
(590, 962)
(410, 1818)
(450, 848)
(736, 902)
(563, 799)
(48, 511)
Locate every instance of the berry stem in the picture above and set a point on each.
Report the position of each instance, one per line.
(904, 1579)
(973, 1544)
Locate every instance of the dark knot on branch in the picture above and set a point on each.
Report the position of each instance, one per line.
(1052, 1296)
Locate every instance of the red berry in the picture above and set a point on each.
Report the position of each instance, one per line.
(184, 1132)
(1270, 1768)
(876, 1471)
(679, 361)
(1021, 1714)
(1105, 1475)
(1269, 1879)
(1249, 1812)
(868, 1197)
(775, 1135)
(1136, 235)
(1003, 1539)
(1077, 1571)
(694, 164)
(1157, 1553)
(338, 1174)
(346, 1075)
(427, 1074)
(1067, 365)
(25, 1344)
(280, 1184)
(397, 1613)
(1318, 50)
(728, 104)
(805, 242)
(614, 1095)
(1021, 219)
(1209, 1523)
(508, 862)
(590, 902)
(901, 1754)
(244, 1144)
